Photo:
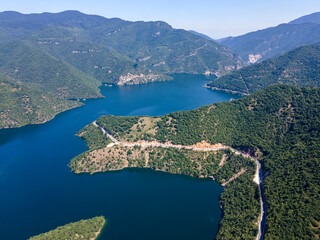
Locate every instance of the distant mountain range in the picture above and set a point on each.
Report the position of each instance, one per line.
(49, 60)
(143, 47)
(68, 55)
(274, 41)
(299, 67)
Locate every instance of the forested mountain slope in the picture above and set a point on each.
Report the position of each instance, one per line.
(36, 69)
(20, 105)
(274, 41)
(279, 125)
(299, 67)
(68, 55)
(155, 45)
(83, 229)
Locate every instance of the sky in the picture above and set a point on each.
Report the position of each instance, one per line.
(215, 18)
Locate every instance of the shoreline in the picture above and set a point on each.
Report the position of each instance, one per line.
(45, 121)
(226, 90)
(257, 177)
(166, 78)
(98, 234)
(81, 103)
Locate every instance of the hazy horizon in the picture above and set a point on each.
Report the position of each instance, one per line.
(211, 17)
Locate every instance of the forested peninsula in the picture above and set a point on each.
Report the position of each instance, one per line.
(277, 125)
(88, 229)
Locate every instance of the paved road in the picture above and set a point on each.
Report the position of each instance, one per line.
(107, 133)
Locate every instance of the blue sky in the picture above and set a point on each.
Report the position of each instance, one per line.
(216, 18)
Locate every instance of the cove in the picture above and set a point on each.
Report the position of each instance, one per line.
(39, 193)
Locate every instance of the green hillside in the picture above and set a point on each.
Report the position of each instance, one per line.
(88, 229)
(299, 67)
(20, 105)
(152, 45)
(39, 70)
(159, 47)
(274, 41)
(279, 125)
(68, 55)
(102, 63)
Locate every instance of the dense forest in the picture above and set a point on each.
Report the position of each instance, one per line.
(279, 125)
(299, 67)
(20, 105)
(85, 229)
(38, 70)
(36, 86)
(49, 60)
(69, 54)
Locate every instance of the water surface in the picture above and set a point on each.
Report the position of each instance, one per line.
(38, 192)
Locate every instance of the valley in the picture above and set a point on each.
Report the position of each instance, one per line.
(132, 120)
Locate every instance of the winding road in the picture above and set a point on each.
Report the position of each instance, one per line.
(257, 178)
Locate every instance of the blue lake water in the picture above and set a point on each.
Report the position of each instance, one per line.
(38, 192)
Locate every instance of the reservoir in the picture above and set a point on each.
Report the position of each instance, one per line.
(38, 192)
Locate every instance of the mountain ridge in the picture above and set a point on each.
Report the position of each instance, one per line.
(273, 41)
(136, 40)
(311, 18)
(69, 54)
